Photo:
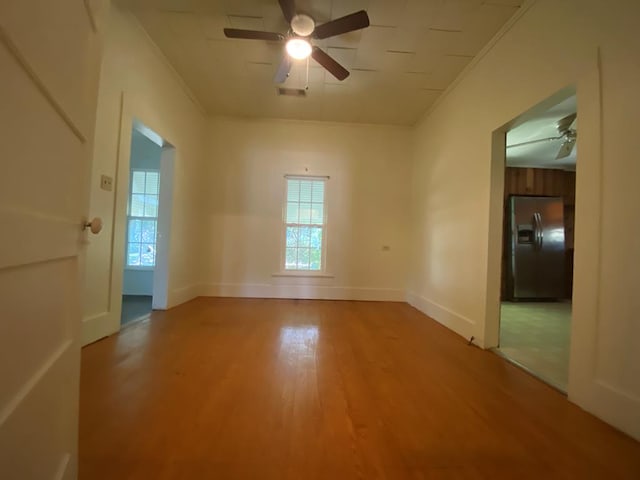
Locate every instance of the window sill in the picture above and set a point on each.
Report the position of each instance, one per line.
(303, 274)
(143, 269)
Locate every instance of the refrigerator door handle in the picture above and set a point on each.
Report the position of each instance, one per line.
(539, 235)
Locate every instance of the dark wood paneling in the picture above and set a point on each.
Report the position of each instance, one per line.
(540, 181)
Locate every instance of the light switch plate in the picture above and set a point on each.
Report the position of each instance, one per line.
(106, 183)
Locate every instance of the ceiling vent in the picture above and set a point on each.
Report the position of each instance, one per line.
(292, 92)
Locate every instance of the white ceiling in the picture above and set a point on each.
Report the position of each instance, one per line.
(399, 65)
(544, 125)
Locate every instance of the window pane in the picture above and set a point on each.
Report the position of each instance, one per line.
(292, 236)
(292, 213)
(137, 182)
(303, 258)
(318, 192)
(134, 230)
(152, 183)
(305, 191)
(148, 231)
(291, 258)
(317, 217)
(305, 207)
(316, 238)
(151, 206)
(305, 213)
(293, 190)
(147, 255)
(133, 254)
(316, 259)
(305, 237)
(137, 205)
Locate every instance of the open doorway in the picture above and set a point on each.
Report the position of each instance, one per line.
(146, 226)
(537, 262)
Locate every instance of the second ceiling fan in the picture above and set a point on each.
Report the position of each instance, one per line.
(567, 134)
(303, 29)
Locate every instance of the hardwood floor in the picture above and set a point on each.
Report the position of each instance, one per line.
(288, 389)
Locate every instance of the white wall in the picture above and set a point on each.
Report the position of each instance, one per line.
(137, 282)
(137, 82)
(145, 155)
(368, 207)
(553, 45)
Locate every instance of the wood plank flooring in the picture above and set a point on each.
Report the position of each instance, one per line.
(288, 389)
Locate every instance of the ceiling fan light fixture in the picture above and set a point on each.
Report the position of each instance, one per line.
(298, 48)
(303, 25)
(302, 28)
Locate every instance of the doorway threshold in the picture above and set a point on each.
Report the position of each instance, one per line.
(542, 378)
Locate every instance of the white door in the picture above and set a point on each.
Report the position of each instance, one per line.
(49, 69)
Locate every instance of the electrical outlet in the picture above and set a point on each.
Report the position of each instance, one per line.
(106, 183)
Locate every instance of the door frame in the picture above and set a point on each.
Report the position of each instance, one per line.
(583, 388)
(496, 213)
(130, 118)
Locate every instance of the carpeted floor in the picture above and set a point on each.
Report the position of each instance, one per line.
(537, 336)
(135, 307)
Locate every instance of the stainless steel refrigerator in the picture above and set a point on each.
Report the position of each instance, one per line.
(536, 253)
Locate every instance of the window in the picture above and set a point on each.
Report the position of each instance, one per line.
(304, 223)
(142, 219)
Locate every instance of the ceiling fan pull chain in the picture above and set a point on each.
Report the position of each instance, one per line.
(306, 86)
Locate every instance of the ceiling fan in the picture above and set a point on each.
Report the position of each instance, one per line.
(303, 29)
(565, 132)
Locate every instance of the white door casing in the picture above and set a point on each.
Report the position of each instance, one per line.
(50, 60)
(95, 327)
(615, 405)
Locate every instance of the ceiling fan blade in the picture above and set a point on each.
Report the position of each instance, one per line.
(333, 67)
(566, 149)
(283, 70)
(288, 9)
(532, 142)
(349, 23)
(564, 124)
(253, 35)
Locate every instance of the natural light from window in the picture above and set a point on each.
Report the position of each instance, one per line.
(143, 218)
(304, 224)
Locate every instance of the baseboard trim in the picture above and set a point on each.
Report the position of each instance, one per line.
(93, 327)
(310, 292)
(454, 321)
(614, 406)
(182, 295)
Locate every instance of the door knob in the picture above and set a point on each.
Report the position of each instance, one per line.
(94, 225)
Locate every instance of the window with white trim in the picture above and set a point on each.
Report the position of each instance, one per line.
(142, 218)
(305, 224)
